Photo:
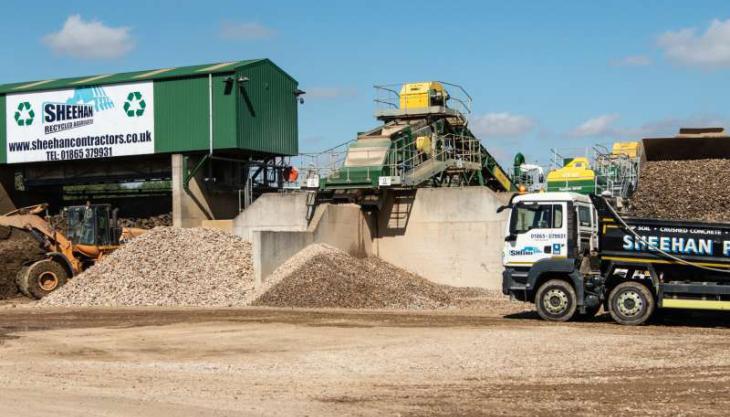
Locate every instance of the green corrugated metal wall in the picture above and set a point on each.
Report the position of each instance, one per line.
(3, 132)
(268, 111)
(181, 115)
(266, 108)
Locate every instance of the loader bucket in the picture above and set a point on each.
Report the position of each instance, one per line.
(685, 148)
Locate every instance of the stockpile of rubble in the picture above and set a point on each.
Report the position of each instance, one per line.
(167, 267)
(693, 190)
(209, 268)
(323, 276)
(16, 248)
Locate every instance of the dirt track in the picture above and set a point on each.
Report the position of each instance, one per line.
(265, 362)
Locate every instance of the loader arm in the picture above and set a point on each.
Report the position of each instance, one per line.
(29, 219)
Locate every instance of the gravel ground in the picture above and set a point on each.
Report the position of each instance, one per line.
(321, 276)
(294, 362)
(167, 266)
(684, 190)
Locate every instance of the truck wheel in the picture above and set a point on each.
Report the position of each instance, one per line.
(631, 303)
(556, 301)
(42, 278)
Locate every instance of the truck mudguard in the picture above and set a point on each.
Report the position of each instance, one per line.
(559, 266)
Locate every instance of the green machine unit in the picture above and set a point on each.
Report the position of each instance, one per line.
(424, 141)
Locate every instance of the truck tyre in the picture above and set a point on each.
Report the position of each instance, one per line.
(42, 278)
(556, 300)
(631, 303)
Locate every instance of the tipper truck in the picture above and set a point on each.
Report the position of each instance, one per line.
(571, 254)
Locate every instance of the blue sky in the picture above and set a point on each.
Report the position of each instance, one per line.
(543, 74)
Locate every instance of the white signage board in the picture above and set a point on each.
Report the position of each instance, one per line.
(81, 123)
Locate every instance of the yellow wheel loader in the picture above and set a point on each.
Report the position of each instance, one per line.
(92, 232)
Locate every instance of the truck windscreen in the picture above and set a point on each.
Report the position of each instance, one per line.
(535, 216)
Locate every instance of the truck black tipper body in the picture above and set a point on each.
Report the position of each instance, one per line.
(638, 265)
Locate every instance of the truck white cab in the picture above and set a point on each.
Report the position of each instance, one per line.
(547, 234)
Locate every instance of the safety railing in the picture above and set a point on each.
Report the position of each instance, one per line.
(615, 173)
(459, 152)
(318, 165)
(387, 98)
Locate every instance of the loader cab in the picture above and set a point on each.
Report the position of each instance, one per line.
(555, 225)
(92, 225)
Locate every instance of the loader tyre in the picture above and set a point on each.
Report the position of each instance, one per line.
(42, 278)
(22, 282)
(5, 232)
(556, 300)
(631, 303)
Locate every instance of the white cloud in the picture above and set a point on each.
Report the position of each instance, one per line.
(245, 31)
(604, 126)
(670, 126)
(596, 126)
(632, 61)
(329, 93)
(90, 39)
(502, 125)
(709, 50)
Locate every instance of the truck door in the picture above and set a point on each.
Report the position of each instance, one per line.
(537, 230)
(586, 226)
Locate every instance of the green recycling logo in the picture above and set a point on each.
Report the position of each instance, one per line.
(135, 105)
(24, 115)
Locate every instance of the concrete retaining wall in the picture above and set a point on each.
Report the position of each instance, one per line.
(449, 235)
(343, 226)
(273, 212)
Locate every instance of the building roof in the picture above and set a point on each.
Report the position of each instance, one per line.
(128, 77)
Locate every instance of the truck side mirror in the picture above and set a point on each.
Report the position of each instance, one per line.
(510, 238)
(501, 209)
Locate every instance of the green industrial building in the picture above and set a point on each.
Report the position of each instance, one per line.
(216, 131)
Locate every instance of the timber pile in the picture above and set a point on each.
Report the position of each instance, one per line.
(163, 220)
(166, 267)
(693, 190)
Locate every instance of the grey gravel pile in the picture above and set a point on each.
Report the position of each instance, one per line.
(695, 190)
(323, 276)
(167, 266)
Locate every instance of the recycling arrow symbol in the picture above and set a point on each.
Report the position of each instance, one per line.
(24, 115)
(135, 105)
